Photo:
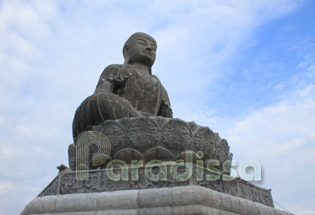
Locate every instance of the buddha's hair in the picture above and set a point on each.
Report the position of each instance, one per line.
(133, 37)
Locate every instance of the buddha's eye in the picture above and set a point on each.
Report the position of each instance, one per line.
(141, 42)
(153, 47)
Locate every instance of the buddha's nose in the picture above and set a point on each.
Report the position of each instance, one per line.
(148, 49)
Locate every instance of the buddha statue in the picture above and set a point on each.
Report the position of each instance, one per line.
(126, 90)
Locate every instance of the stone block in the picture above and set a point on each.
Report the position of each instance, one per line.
(184, 200)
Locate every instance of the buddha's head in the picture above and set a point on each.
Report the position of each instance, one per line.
(140, 48)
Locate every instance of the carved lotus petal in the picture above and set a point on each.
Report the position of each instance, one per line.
(127, 155)
(158, 153)
(223, 145)
(182, 156)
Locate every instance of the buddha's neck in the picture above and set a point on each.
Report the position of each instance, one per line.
(142, 68)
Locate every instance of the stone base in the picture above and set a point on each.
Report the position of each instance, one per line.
(98, 181)
(184, 200)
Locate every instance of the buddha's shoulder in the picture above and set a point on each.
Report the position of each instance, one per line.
(114, 67)
(117, 67)
(115, 71)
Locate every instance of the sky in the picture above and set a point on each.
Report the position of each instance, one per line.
(245, 69)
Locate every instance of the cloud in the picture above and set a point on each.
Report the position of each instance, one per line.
(15, 192)
(279, 135)
(281, 138)
(281, 127)
(306, 212)
(7, 186)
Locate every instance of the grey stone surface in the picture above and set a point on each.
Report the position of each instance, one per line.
(128, 90)
(185, 200)
(98, 181)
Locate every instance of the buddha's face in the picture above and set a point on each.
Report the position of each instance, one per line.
(142, 49)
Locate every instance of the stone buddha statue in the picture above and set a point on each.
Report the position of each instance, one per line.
(128, 90)
(143, 154)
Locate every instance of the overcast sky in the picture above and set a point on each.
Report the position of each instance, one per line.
(246, 69)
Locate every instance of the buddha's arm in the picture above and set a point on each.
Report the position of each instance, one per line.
(106, 81)
(111, 105)
(165, 108)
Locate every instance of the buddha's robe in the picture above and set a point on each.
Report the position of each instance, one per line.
(122, 91)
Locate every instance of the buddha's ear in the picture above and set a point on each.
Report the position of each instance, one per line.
(127, 47)
(126, 54)
(127, 58)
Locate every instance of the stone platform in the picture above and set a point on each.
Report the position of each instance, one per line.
(183, 200)
(98, 181)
